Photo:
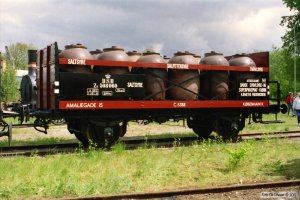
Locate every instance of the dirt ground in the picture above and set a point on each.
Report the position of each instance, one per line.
(289, 193)
(133, 130)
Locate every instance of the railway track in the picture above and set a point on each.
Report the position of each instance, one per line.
(205, 193)
(280, 134)
(131, 143)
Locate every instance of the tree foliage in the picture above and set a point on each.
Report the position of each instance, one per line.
(16, 58)
(282, 70)
(292, 35)
(17, 55)
(9, 89)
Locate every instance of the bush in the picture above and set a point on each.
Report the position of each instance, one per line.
(9, 87)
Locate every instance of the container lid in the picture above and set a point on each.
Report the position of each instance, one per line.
(212, 53)
(241, 60)
(78, 45)
(183, 53)
(240, 55)
(166, 57)
(97, 51)
(197, 56)
(113, 48)
(134, 53)
(150, 53)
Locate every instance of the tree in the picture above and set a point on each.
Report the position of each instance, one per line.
(9, 89)
(282, 69)
(16, 55)
(292, 35)
(291, 39)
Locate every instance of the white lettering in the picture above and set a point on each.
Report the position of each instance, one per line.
(246, 94)
(179, 105)
(253, 104)
(108, 85)
(92, 92)
(253, 88)
(120, 90)
(107, 93)
(81, 105)
(259, 94)
(252, 80)
(248, 89)
(135, 84)
(95, 85)
(262, 89)
(177, 66)
(255, 84)
(256, 69)
(76, 61)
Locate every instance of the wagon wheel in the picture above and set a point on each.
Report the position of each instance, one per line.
(202, 126)
(75, 128)
(202, 131)
(227, 130)
(123, 128)
(82, 138)
(104, 137)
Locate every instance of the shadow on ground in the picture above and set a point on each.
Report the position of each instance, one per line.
(290, 170)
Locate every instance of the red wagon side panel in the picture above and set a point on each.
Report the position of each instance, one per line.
(45, 78)
(99, 105)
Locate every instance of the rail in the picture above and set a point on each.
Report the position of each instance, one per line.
(132, 143)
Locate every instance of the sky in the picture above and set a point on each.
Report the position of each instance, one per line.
(167, 26)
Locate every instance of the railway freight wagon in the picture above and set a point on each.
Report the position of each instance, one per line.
(98, 95)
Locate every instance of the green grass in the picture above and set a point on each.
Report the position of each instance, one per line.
(119, 171)
(290, 123)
